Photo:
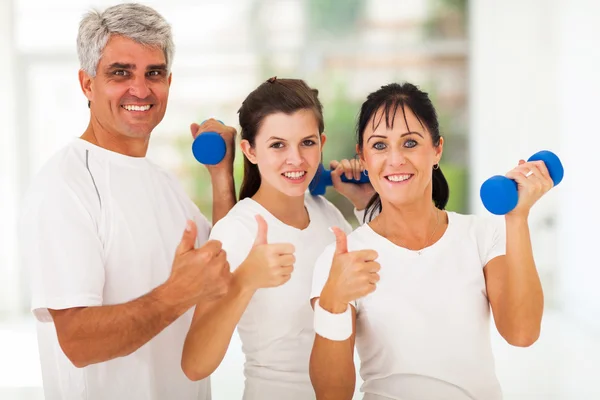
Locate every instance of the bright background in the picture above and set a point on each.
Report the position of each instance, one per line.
(508, 79)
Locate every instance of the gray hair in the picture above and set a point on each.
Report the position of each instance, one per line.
(134, 21)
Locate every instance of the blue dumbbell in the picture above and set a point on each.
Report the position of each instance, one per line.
(209, 147)
(499, 194)
(322, 179)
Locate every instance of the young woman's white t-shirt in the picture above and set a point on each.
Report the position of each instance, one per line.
(276, 328)
(424, 332)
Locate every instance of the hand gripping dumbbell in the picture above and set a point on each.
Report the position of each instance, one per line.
(499, 194)
(322, 179)
(209, 147)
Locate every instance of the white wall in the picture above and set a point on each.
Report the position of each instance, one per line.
(8, 166)
(535, 85)
(513, 105)
(578, 92)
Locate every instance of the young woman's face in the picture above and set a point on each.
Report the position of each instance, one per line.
(400, 159)
(287, 150)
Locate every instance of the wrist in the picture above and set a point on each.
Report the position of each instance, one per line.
(171, 298)
(330, 302)
(222, 172)
(241, 283)
(517, 219)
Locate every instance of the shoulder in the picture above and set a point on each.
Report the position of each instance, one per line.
(238, 222)
(64, 178)
(476, 225)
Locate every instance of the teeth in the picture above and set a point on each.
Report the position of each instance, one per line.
(294, 175)
(136, 108)
(398, 178)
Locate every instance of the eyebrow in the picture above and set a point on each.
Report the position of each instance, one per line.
(118, 65)
(385, 137)
(285, 140)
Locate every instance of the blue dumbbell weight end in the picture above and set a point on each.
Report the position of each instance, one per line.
(209, 147)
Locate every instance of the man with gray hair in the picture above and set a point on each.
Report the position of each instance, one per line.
(114, 283)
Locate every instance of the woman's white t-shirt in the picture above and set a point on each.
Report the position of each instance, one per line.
(276, 328)
(424, 332)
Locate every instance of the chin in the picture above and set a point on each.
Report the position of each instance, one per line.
(295, 191)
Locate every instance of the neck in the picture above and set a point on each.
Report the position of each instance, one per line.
(98, 135)
(288, 209)
(414, 222)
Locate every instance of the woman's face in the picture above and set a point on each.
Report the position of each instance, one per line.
(287, 151)
(400, 159)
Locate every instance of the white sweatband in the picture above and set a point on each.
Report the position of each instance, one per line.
(336, 327)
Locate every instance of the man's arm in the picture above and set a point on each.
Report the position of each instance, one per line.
(89, 335)
(221, 175)
(223, 189)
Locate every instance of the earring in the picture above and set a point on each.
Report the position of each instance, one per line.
(436, 166)
(365, 172)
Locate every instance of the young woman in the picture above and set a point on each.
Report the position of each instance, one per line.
(272, 238)
(414, 286)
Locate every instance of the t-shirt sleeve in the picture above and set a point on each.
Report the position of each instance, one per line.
(236, 238)
(61, 250)
(492, 239)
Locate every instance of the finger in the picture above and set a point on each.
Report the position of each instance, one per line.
(282, 248)
(366, 255)
(195, 129)
(371, 266)
(341, 240)
(347, 168)
(286, 259)
(283, 279)
(188, 240)
(261, 233)
(336, 175)
(286, 270)
(333, 164)
(374, 277)
(356, 169)
(544, 174)
(210, 249)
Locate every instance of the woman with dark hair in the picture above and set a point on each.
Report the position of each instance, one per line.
(273, 237)
(413, 287)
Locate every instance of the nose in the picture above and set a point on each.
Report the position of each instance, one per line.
(139, 87)
(293, 156)
(396, 157)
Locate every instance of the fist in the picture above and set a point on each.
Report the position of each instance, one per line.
(228, 133)
(353, 274)
(199, 274)
(267, 265)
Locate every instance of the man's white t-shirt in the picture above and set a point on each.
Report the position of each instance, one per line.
(424, 332)
(276, 328)
(100, 228)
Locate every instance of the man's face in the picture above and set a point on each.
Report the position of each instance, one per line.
(129, 93)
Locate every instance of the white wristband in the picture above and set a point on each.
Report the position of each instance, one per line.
(336, 327)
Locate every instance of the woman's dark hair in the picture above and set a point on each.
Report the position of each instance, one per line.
(273, 96)
(388, 99)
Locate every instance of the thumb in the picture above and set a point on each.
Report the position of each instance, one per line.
(194, 128)
(261, 233)
(188, 241)
(341, 241)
